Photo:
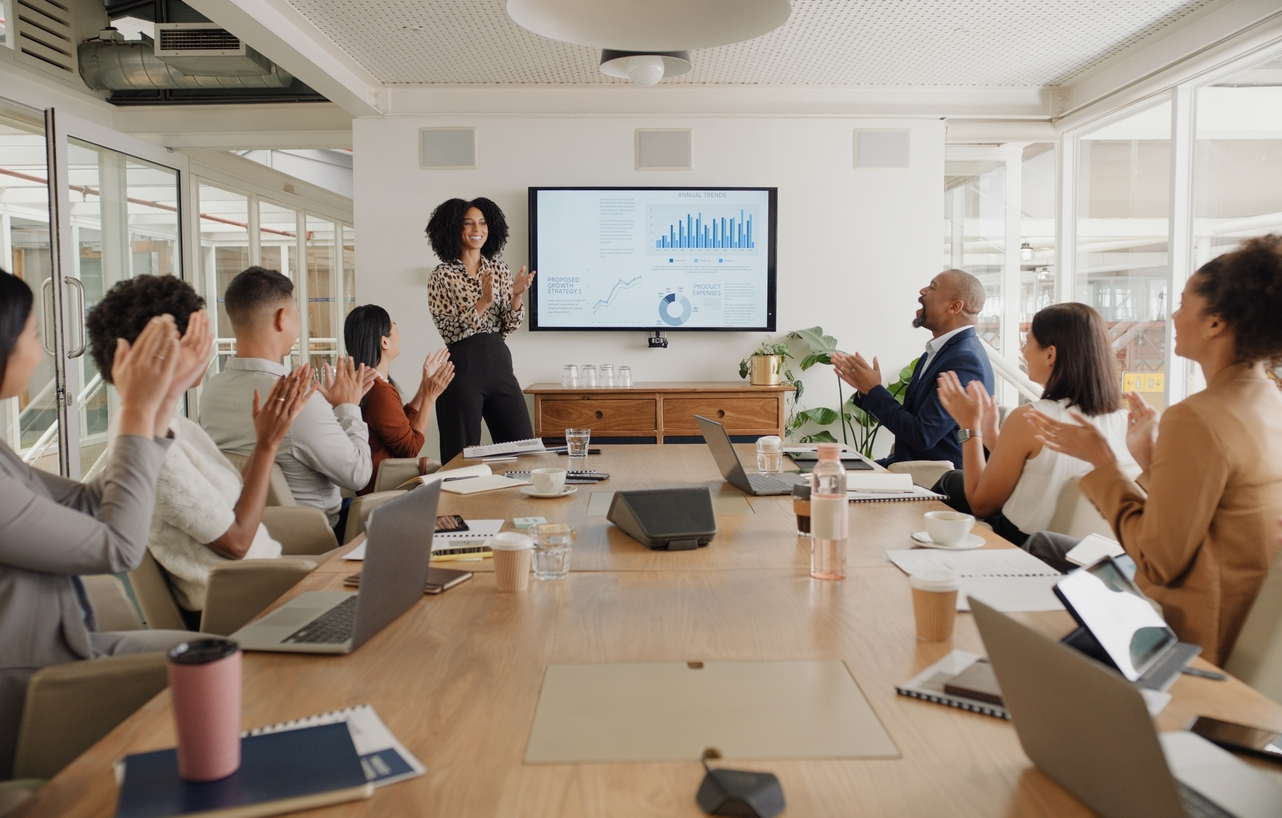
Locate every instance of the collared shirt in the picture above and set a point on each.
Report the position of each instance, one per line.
(935, 344)
(325, 449)
(452, 294)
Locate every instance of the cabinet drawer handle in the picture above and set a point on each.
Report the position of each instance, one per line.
(599, 415)
(721, 413)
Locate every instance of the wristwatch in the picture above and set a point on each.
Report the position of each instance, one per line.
(966, 434)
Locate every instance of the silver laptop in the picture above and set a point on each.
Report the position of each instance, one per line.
(1087, 727)
(732, 470)
(397, 553)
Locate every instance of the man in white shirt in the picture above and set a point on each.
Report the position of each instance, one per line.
(327, 447)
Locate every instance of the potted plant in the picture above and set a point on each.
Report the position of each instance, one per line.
(765, 365)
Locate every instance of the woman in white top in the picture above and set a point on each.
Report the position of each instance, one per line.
(1017, 485)
(204, 514)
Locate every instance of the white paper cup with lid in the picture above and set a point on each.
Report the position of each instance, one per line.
(512, 554)
(935, 604)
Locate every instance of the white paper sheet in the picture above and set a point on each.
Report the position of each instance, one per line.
(1008, 579)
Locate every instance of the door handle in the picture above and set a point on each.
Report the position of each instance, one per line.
(46, 290)
(79, 285)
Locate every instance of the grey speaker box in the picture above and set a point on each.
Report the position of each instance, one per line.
(664, 149)
(881, 149)
(678, 519)
(447, 148)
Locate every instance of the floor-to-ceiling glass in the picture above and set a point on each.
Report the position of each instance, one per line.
(1123, 236)
(224, 254)
(323, 321)
(975, 232)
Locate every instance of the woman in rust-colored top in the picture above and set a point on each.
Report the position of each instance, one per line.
(395, 429)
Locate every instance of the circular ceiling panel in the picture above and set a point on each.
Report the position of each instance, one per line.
(649, 25)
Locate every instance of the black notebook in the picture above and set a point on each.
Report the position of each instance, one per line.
(279, 772)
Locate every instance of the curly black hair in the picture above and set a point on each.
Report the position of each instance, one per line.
(445, 228)
(127, 307)
(1244, 287)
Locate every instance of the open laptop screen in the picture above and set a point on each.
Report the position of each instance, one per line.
(1107, 604)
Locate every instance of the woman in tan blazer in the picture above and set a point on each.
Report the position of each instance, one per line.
(52, 529)
(1199, 521)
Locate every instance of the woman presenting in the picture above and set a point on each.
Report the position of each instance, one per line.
(476, 303)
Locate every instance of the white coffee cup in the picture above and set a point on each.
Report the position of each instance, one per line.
(948, 527)
(548, 481)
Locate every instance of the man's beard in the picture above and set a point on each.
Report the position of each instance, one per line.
(919, 321)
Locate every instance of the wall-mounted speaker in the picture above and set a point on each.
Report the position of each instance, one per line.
(881, 149)
(675, 519)
(447, 148)
(664, 149)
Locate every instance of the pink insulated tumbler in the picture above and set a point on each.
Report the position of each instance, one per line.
(204, 682)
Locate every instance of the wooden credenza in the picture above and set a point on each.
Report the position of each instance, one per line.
(659, 410)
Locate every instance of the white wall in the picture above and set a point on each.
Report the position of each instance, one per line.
(853, 246)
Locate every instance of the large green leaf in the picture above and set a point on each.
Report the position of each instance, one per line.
(820, 416)
(815, 358)
(820, 437)
(815, 339)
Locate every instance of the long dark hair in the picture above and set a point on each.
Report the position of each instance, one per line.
(363, 332)
(15, 309)
(446, 226)
(1084, 371)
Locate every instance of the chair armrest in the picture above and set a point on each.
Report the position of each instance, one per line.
(239, 591)
(394, 471)
(69, 707)
(360, 510)
(925, 473)
(301, 530)
(111, 604)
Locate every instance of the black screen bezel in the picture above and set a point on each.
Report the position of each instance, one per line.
(772, 288)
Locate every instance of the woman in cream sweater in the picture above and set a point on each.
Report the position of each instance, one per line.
(204, 513)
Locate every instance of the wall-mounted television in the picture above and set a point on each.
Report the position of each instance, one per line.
(656, 259)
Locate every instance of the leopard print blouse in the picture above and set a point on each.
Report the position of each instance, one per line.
(452, 295)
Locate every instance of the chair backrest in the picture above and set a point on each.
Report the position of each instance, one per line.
(300, 530)
(394, 471)
(278, 493)
(1257, 655)
(359, 513)
(925, 473)
(111, 604)
(1076, 516)
(155, 597)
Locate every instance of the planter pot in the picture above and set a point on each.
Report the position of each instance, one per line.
(765, 370)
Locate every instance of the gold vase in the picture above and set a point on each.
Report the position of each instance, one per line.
(765, 370)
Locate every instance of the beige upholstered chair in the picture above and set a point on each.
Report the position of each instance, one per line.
(394, 471)
(1257, 655)
(300, 530)
(925, 473)
(278, 493)
(361, 508)
(1076, 516)
(112, 606)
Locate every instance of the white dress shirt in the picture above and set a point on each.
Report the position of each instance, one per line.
(325, 450)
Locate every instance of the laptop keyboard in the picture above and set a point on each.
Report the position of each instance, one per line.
(764, 482)
(1197, 805)
(332, 628)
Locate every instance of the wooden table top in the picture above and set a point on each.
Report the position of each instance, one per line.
(457, 678)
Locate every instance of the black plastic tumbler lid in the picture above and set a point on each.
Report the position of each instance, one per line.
(202, 651)
(801, 491)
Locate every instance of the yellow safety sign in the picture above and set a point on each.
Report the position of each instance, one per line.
(1143, 381)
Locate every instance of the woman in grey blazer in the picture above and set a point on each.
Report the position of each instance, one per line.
(52, 529)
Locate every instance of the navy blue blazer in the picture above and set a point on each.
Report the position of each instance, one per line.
(922, 429)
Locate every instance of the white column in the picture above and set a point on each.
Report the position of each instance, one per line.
(1180, 237)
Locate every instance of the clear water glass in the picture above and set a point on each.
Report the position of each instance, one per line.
(769, 454)
(576, 442)
(587, 376)
(625, 377)
(607, 376)
(569, 376)
(552, 543)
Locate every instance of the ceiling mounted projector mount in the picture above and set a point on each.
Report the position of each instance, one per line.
(647, 40)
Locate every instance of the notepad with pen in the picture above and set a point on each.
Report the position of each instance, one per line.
(939, 683)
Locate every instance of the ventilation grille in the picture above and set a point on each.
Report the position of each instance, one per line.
(447, 148)
(664, 149)
(43, 35)
(196, 40)
(881, 149)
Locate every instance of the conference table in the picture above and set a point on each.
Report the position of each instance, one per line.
(457, 678)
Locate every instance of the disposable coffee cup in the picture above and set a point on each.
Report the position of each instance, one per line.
(548, 481)
(948, 527)
(204, 685)
(935, 604)
(512, 553)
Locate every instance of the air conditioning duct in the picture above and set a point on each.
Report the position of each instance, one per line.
(188, 55)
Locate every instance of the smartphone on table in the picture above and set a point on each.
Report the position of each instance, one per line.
(1256, 741)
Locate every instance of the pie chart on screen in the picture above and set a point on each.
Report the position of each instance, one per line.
(674, 309)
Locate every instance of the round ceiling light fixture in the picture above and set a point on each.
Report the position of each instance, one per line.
(644, 70)
(643, 30)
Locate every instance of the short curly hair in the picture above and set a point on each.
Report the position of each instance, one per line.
(1244, 287)
(127, 307)
(446, 226)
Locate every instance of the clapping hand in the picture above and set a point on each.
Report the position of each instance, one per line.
(284, 402)
(487, 290)
(857, 372)
(1141, 429)
(521, 282)
(1079, 439)
(195, 351)
(438, 371)
(970, 406)
(343, 384)
(143, 372)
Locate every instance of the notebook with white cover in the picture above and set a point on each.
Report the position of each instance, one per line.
(881, 482)
(475, 485)
(1092, 549)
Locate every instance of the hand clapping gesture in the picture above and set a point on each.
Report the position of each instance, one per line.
(143, 373)
(972, 407)
(1079, 439)
(345, 383)
(284, 402)
(487, 290)
(438, 372)
(521, 283)
(195, 351)
(857, 372)
(1141, 429)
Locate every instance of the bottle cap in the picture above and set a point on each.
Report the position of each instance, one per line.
(938, 581)
(829, 451)
(801, 491)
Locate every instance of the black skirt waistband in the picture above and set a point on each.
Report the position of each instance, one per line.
(479, 339)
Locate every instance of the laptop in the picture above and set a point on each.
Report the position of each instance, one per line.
(1120, 628)
(397, 552)
(1087, 727)
(732, 470)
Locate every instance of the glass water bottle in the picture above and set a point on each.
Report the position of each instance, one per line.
(829, 514)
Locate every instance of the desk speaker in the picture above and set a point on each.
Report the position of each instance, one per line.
(672, 519)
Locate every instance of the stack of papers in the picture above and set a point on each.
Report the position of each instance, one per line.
(448, 543)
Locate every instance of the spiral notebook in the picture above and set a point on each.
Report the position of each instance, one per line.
(383, 758)
(1008, 579)
(929, 685)
(533, 445)
(917, 493)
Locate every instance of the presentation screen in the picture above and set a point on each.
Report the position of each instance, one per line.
(653, 258)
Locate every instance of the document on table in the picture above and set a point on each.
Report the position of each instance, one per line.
(384, 759)
(1009, 579)
(479, 532)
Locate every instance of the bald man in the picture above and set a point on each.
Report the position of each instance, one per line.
(950, 307)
